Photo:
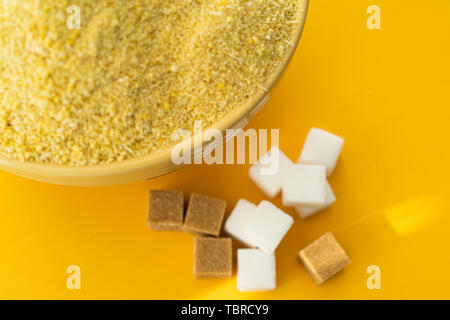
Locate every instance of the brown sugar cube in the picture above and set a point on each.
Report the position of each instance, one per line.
(324, 258)
(204, 215)
(166, 208)
(212, 257)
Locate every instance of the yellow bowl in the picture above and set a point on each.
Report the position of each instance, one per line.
(158, 163)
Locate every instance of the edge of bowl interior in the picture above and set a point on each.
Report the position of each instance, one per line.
(157, 163)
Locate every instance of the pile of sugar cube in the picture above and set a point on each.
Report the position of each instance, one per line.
(304, 186)
(265, 226)
(260, 227)
(204, 218)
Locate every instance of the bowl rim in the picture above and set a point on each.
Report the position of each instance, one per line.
(159, 158)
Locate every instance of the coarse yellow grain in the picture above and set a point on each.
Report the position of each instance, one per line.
(135, 71)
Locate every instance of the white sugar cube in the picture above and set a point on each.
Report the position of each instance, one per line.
(321, 147)
(269, 171)
(305, 211)
(256, 270)
(305, 185)
(267, 227)
(238, 218)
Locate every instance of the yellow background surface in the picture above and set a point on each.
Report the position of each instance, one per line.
(385, 91)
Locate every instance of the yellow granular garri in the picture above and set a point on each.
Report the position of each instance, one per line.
(133, 72)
